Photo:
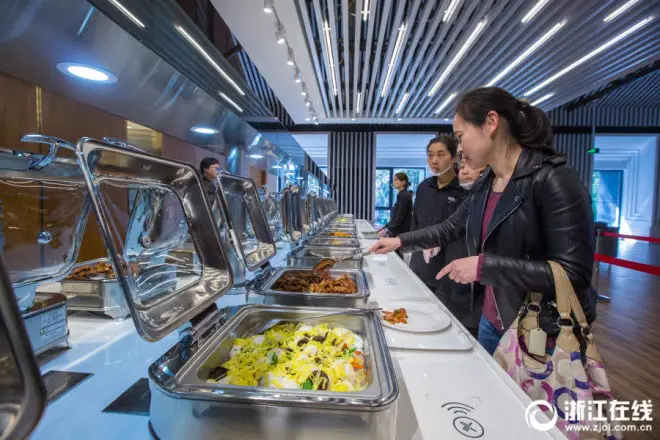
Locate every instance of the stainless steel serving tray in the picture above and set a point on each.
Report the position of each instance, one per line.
(334, 241)
(184, 405)
(102, 295)
(278, 297)
(330, 232)
(308, 256)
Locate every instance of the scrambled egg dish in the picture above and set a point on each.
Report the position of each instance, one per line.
(296, 356)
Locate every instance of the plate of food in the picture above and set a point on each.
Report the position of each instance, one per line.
(414, 317)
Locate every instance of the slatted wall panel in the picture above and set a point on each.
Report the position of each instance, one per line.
(575, 146)
(606, 117)
(352, 167)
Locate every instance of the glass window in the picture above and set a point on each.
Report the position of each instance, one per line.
(606, 190)
(386, 195)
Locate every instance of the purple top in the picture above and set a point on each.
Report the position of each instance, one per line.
(490, 310)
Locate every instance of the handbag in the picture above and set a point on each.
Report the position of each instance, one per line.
(572, 372)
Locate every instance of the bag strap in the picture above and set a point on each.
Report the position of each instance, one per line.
(568, 301)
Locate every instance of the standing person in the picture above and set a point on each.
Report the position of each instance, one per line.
(401, 212)
(528, 208)
(436, 200)
(461, 299)
(209, 167)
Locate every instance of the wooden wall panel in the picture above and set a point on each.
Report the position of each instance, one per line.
(18, 112)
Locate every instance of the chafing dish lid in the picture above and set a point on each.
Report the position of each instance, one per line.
(23, 395)
(244, 213)
(295, 218)
(161, 235)
(43, 214)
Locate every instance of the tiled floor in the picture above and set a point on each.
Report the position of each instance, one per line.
(628, 330)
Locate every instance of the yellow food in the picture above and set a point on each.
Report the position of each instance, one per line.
(297, 356)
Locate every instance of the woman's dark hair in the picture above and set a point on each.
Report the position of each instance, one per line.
(207, 162)
(403, 177)
(447, 140)
(528, 124)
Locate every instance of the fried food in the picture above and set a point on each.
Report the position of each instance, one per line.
(340, 234)
(398, 316)
(321, 282)
(95, 271)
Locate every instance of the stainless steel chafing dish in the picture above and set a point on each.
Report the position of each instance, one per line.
(334, 241)
(343, 233)
(183, 404)
(280, 297)
(101, 295)
(308, 256)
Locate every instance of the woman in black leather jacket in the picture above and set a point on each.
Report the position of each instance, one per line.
(528, 207)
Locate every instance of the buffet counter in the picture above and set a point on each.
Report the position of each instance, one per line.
(450, 387)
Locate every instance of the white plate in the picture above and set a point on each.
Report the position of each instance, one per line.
(422, 318)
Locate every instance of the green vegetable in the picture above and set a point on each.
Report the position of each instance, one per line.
(274, 361)
(308, 385)
(352, 350)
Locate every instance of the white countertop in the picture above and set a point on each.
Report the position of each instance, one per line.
(441, 390)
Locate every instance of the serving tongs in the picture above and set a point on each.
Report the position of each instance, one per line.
(263, 328)
(327, 263)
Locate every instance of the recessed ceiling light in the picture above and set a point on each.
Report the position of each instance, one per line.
(268, 6)
(398, 119)
(316, 123)
(331, 59)
(352, 119)
(402, 103)
(279, 34)
(277, 166)
(204, 130)
(127, 13)
(231, 101)
(527, 52)
(208, 58)
(543, 98)
(297, 76)
(86, 72)
(445, 103)
(290, 60)
(307, 103)
(256, 156)
(454, 61)
(450, 10)
(365, 10)
(393, 59)
(307, 119)
(620, 10)
(590, 55)
(535, 9)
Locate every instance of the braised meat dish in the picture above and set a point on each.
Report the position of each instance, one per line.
(321, 282)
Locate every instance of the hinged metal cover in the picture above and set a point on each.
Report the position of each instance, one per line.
(44, 207)
(22, 393)
(296, 221)
(248, 224)
(161, 234)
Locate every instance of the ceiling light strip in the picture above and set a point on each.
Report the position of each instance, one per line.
(331, 60)
(402, 103)
(466, 46)
(531, 49)
(543, 98)
(127, 13)
(620, 10)
(590, 55)
(535, 9)
(359, 102)
(212, 62)
(393, 59)
(445, 103)
(231, 101)
(450, 10)
(365, 10)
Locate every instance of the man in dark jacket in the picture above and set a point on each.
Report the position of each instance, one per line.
(209, 167)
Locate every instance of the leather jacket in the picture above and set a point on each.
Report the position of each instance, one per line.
(544, 214)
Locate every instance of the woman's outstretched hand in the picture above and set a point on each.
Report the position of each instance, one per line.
(386, 245)
(463, 270)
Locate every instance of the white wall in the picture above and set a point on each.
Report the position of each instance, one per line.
(314, 144)
(637, 156)
(402, 149)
